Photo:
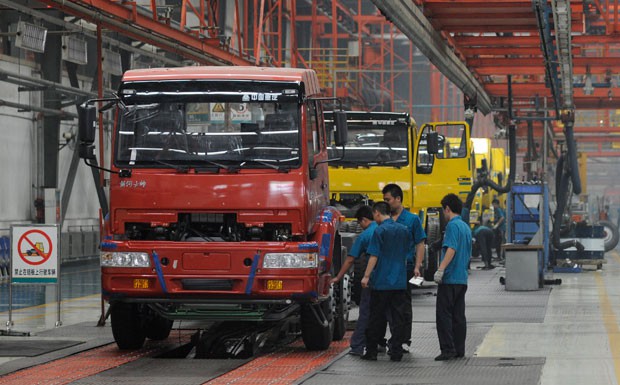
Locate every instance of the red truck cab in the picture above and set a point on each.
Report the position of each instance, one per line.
(219, 203)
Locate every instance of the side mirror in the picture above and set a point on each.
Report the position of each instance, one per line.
(432, 142)
(341, 131)
(87, 120)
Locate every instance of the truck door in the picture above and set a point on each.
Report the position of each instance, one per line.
(316, 148)
(448, 171)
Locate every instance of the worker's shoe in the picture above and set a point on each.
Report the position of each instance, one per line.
(356, 352)
(445, 356)
(396, 358)
(369, 356)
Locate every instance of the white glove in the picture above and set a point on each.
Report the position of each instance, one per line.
(438, 276)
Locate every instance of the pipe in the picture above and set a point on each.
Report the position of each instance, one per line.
(562, 199)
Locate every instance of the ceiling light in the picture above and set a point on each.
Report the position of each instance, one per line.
(31, 37)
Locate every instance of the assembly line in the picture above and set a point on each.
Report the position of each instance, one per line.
(311, 192)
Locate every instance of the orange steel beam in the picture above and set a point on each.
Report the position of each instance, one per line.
(503, 51)
(539, 70)
(592, 130)
(148, 27)
(601, 154)
(503, 41)
(605, 139)
(608, 62)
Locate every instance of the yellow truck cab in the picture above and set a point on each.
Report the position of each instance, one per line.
(388, 147)
(443, 165)
(378, 152)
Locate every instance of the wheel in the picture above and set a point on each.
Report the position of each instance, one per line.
(127, 325)
(433, 226)
(341, 293)
(342, 304)
(611, 235)
(157, 327)
(317, 335)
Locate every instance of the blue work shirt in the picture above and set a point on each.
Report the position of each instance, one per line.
(390, 244)
(457, 237)
(499, 213)
(361, 242)
(414, 224)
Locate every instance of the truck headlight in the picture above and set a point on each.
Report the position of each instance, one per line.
(125, 259)
(290, 260)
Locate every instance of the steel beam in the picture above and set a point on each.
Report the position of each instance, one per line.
(407, 17)
(127, 19)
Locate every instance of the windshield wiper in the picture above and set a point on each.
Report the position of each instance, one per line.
(178, 168)
(216, 164)
(264, 163)
(350, 164)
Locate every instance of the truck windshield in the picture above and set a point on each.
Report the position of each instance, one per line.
(370, 143)
(199, 131)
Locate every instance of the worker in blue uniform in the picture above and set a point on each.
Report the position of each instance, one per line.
(365, 219)
(386, 275)
(451, 277)
(393, 196)
(499, 227)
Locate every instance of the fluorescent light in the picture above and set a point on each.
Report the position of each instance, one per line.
(30, 37)
(74, 49)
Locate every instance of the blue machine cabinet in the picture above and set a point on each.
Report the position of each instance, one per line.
(527, 212)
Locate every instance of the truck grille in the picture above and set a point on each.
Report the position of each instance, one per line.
(207, 284)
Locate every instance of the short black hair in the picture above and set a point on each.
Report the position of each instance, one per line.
(364, 212)
(495, 200)
(454, 202)
(394, 190)
(382, 208)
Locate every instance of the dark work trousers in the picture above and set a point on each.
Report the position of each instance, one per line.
(381, 302)
(485, 238)
(408, 312)
(499, 241)
(409, 309)
(358, 339)
(450, 318)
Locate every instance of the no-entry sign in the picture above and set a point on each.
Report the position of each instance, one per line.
(34, 253)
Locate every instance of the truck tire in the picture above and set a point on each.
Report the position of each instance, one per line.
(317, 335)
(611, 235)
(341, 293)
(342, 303)
(157, 327)
(431, 268)
(127, 326)
(433, 231)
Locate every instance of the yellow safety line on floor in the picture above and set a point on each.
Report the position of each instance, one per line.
(609, 319)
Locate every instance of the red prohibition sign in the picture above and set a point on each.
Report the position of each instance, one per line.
(33, 250)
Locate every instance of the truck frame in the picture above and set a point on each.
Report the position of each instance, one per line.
(219, 203)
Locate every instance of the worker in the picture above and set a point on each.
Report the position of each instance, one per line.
(483, 238)
(386, 276)
(365, 219)
(393, 196)
(451, 278)
(499, 227)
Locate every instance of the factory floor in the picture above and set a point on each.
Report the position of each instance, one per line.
(566, 334)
